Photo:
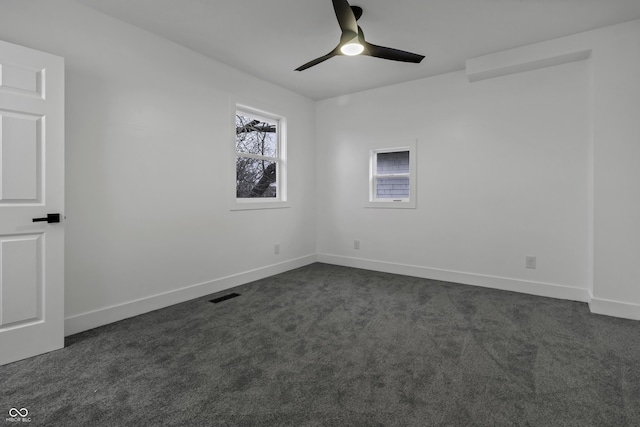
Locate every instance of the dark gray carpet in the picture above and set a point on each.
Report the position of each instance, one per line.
(326, 345)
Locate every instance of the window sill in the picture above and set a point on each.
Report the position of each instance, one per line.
(391, 205)
(250, 206)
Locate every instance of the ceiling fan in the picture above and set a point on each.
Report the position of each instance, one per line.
(352, 41)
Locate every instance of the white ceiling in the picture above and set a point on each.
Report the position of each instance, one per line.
(270, 38)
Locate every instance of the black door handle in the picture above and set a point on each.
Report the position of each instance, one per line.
(50, 218)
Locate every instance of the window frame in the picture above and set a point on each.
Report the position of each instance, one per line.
(392, 203)
(280, 201)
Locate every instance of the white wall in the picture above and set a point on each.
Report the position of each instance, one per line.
(148, 139)
(502, 168)
(614, 137)
(616, 133)
(542, 162)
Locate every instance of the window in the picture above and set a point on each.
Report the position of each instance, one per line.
(259, 158)
(392, 178)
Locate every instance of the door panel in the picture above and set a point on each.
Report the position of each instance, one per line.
(21, 280)
(31, 186)
(19, 148)
(21, 79)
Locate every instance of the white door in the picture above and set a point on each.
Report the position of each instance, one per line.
(31, 186)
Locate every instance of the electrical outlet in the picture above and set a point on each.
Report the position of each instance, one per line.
(356, 244)
(531, 262)
(276, 248)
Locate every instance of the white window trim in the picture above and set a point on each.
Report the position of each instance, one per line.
(404, 203)
(279, 202)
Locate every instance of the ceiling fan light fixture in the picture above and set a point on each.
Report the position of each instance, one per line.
(352, 41)
(352, 48)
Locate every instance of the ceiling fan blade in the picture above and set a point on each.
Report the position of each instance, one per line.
(390, 53)
(387, 52)
(317, 61)
(346, 17)
(357, 11)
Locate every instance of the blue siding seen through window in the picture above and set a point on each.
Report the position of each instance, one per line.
(389, 164)
(396, 162)
(392, 188)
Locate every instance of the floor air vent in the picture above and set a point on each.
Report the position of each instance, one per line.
(224, 298)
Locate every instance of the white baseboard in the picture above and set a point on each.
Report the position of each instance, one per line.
(93, 319)
(504, 283)
(615, 308)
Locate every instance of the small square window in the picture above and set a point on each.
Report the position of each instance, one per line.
(392, 177)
